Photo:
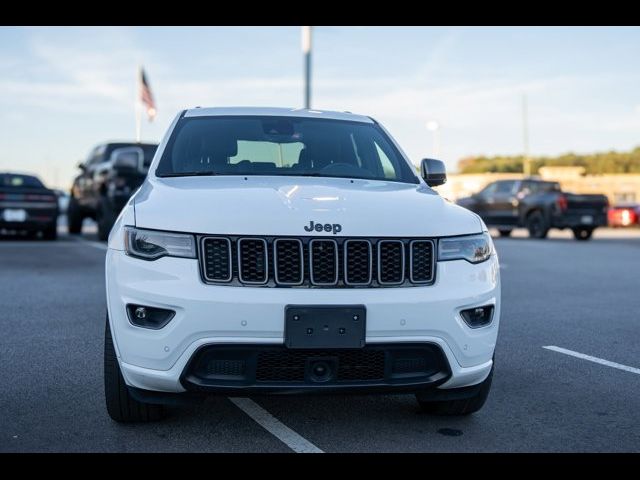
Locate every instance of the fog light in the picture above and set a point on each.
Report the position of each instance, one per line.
(149, 317)
(478, 316)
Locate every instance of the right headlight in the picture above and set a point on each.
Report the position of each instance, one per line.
(152, 244)
(472, 248)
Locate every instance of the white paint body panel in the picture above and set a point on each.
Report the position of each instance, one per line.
(263, 205)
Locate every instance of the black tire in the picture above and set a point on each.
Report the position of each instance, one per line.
(51, 232)
(74, 217)
(464, 406)
(583, 233)
(106, 219)
(504, 232)
(121, 406)
(537, 225)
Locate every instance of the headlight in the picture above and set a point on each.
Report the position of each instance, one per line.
(151, 244)
(472, 248)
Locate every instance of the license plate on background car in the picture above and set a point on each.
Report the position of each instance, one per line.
(588, 219)
(325, 326)
(12, 215)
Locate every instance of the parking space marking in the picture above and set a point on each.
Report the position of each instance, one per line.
(290, 438)
(91, 243)
(589, 358)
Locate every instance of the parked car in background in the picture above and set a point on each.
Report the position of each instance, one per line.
(538, 206)
(26, 205)
(109, 176)
(624, 215)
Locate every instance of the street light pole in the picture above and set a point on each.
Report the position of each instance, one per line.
(306, 50)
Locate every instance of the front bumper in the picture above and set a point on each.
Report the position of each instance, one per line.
(209, 315)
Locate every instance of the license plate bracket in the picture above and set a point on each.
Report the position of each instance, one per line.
(325, 326)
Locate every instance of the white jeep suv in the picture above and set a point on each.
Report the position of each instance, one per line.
(285, 251)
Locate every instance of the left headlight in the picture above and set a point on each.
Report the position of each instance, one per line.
(472, 248)
(152, 244)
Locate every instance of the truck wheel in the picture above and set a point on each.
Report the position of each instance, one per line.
(537, 225)
(106, 219)
(51, 232)
(463, 406)
(121, 406)
(74, 217)
(583, 233)
(504, 232)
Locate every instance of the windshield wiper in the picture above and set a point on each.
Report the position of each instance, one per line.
(203, 173)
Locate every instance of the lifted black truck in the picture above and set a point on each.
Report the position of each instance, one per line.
(108, 178)
(538, 206)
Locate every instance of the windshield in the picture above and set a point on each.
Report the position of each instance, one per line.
(273, 145)
(9, 180)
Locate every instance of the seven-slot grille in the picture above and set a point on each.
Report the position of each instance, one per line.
(317, 262)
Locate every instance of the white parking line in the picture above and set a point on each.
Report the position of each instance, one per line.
(274, 426)
(91, 243)
(589, 358)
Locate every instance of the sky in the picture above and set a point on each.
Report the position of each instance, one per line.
(65, 89)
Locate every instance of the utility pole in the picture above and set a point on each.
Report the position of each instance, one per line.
(306, 50)
(526, 167)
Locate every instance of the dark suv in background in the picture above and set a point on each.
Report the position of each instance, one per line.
(110, 175)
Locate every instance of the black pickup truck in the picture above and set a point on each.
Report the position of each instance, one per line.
(110, 175)
(538, 206)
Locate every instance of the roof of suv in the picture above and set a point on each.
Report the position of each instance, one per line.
(276, 112)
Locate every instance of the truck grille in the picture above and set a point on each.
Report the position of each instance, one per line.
(317, 262)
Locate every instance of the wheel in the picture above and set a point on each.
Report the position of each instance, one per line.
(106, 219)
(121, 406)
(51, 232)
(462, 406)
(504, 232)
(582, 233)
(537, 225)
(74, 217)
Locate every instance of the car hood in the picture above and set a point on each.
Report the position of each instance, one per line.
(285, 205)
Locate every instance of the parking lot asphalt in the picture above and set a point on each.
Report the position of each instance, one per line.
(581, 393)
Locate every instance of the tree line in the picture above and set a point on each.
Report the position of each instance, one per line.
(595, 163)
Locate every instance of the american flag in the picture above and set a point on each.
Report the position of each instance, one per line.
(146, 97)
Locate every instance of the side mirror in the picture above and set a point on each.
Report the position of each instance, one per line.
(82, 166)
(433, 172)
(127, 159)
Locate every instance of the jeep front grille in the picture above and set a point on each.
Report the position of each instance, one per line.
(317, 262)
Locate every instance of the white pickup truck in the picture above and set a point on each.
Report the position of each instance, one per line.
(272, 250)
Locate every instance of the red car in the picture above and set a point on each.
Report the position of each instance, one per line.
(626, 215)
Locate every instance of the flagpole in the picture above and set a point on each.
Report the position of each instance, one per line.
(137, 103)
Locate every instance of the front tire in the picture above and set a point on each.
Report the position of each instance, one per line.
(121, 406)
(583, 233)
(74, 217)
(106, 219)
(537, 225)
(458, 407)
